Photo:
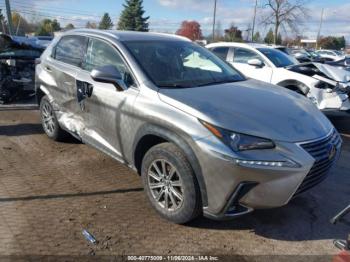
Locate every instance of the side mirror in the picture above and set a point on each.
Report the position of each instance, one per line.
(255, 62)
(109, 74)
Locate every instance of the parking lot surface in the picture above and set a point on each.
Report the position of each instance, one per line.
(50, 192)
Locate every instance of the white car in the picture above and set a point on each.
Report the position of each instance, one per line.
(325, 85)
(331, 55)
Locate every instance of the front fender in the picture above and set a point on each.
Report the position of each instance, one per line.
(182, 141)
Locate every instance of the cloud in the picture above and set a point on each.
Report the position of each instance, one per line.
(336, 18)
(201, 5)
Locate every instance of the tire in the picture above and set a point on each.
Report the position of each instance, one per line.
(49, 121)
(179, 172)
(296, 89)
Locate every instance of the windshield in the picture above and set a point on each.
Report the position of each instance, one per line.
(284, 50)
(338, 52)
(181, 64)
(278, 58)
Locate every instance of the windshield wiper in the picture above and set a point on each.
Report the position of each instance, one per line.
(174, 86)
(218, 82)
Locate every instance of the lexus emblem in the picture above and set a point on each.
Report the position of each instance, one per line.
(332, 151)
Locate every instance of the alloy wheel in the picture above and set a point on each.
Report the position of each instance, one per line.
(48, 118)
(165, 184)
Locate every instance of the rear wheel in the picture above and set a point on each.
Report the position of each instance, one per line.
(49, 121)
(170, 183)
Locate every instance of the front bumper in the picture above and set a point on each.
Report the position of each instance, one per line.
(235, 189)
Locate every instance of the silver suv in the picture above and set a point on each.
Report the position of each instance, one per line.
(203, 138)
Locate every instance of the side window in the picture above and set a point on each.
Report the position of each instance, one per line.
(99, 53)
(221, 52)
(242, 55)
(71, 49)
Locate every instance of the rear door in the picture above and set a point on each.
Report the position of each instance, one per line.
(104, 110)
(64, 66)
(241, 56)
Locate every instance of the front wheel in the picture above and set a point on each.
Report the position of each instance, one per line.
(170, 183)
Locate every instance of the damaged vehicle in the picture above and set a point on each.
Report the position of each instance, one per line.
(302, 55)
(203, 138)
(17, 67)
(331, 55)
(341, 64)
(326, 86)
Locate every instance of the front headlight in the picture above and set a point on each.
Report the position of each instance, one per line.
(239, 142)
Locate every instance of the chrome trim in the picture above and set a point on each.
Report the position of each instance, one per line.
(317, 139)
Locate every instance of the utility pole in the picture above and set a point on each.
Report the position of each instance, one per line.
(319, 29)
(214, 17)
(253, 28)
(9, 16)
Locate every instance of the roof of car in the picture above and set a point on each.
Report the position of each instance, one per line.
(237, 44)
(127, 35)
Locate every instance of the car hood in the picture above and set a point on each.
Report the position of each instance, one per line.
(329, 71)
(252, 107)
(8, 43)
(333, 72)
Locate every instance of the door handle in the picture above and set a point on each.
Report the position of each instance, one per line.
(48, 69)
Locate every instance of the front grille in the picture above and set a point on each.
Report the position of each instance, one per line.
(320, 150)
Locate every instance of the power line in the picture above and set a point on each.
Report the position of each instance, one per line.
(52, 8)
(48, 16)
(54, 11)
(55, 14)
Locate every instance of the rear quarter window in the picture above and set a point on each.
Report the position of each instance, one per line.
(221, 52)
(71, 49)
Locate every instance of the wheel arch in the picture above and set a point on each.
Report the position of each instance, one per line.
(39, 95)
(295, 85)
(150, 135)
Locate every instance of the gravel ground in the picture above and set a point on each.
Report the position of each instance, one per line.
(50, 192)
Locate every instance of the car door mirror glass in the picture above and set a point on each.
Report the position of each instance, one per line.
(255, 62)
(109, 74)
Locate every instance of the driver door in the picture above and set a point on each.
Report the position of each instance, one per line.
(240, 59)
(104, 107)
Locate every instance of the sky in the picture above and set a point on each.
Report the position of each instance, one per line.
(166, 15)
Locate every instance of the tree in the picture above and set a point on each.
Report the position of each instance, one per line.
(106, 22)
(191, 30)
(257, 37)
(331, 42)
(269, 38)
(55, 25)
(233, 34)
(69, 26)
(132, 18)
(279, 39)
(285, 14)
(91, 25)
(218, 32)
(48, 27)
(20, 24)
(3, 22)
